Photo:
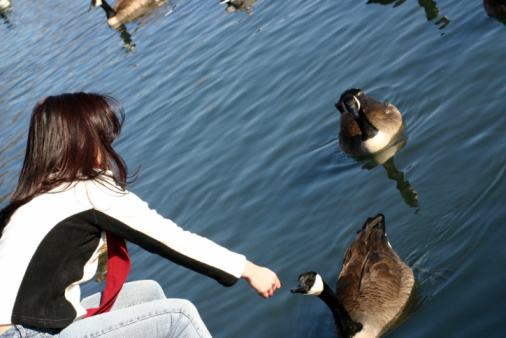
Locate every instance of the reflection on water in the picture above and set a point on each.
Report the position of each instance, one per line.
(434, 277)
(239, 5)
(231, 156)
(128, 46)
(386, 159)
(430, 7)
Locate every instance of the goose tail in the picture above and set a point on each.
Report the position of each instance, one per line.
(374, 223)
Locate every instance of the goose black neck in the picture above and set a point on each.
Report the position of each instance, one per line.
(345, 326)
(108, 9)
(366, 127)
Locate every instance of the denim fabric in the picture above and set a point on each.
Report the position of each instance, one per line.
(159, 318)
(19, 331)
(141, 310)
(131, 294)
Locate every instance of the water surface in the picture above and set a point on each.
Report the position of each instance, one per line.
(231, 116)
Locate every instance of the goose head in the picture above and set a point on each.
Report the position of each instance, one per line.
(95, 3)
(310, 283)
(351, 104)
(348, 96)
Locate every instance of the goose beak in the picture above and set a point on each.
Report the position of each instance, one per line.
(300, 287)
(340, 106)
(297, 289)
(354, 112)
(352, 105)
(94, 3)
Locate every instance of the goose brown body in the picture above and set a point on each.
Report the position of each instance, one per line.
(373, 286)
(124, 11)
(385, 117)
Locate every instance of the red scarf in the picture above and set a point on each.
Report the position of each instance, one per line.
(118, 267)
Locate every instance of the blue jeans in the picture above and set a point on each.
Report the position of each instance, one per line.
(141, 310)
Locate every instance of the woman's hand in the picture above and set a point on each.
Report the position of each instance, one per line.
(263, 280)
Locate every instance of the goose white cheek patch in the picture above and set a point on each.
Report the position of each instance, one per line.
(358, 102)
(317, 287)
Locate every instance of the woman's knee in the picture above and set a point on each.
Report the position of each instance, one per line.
(183, 305)
(149, 288)
(185, 317)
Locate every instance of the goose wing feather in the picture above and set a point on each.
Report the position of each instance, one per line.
(374, 284)
(122, 5)
(384, 116)
(348, 282)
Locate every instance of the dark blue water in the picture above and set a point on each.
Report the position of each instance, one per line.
(232, 118)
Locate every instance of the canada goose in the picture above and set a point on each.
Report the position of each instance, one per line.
(372, 289)
(123, 11)
(495, 8)
(238, 5)
(367, 125)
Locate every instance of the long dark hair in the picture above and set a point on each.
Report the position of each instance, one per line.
(69, 140)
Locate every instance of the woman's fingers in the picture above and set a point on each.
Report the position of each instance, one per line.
(263, 280)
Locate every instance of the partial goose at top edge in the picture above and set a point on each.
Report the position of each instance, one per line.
(124, 11)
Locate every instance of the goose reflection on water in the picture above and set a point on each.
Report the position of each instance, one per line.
(430, 6)
(385, 158)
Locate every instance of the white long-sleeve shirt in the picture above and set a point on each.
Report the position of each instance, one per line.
(51, 245)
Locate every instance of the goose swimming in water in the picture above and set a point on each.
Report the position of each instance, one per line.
(123, 10)
(238, 5)
(372, 289)
(495, 8)
(367, 125)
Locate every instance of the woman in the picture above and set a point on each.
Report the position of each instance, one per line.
(70, 198)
